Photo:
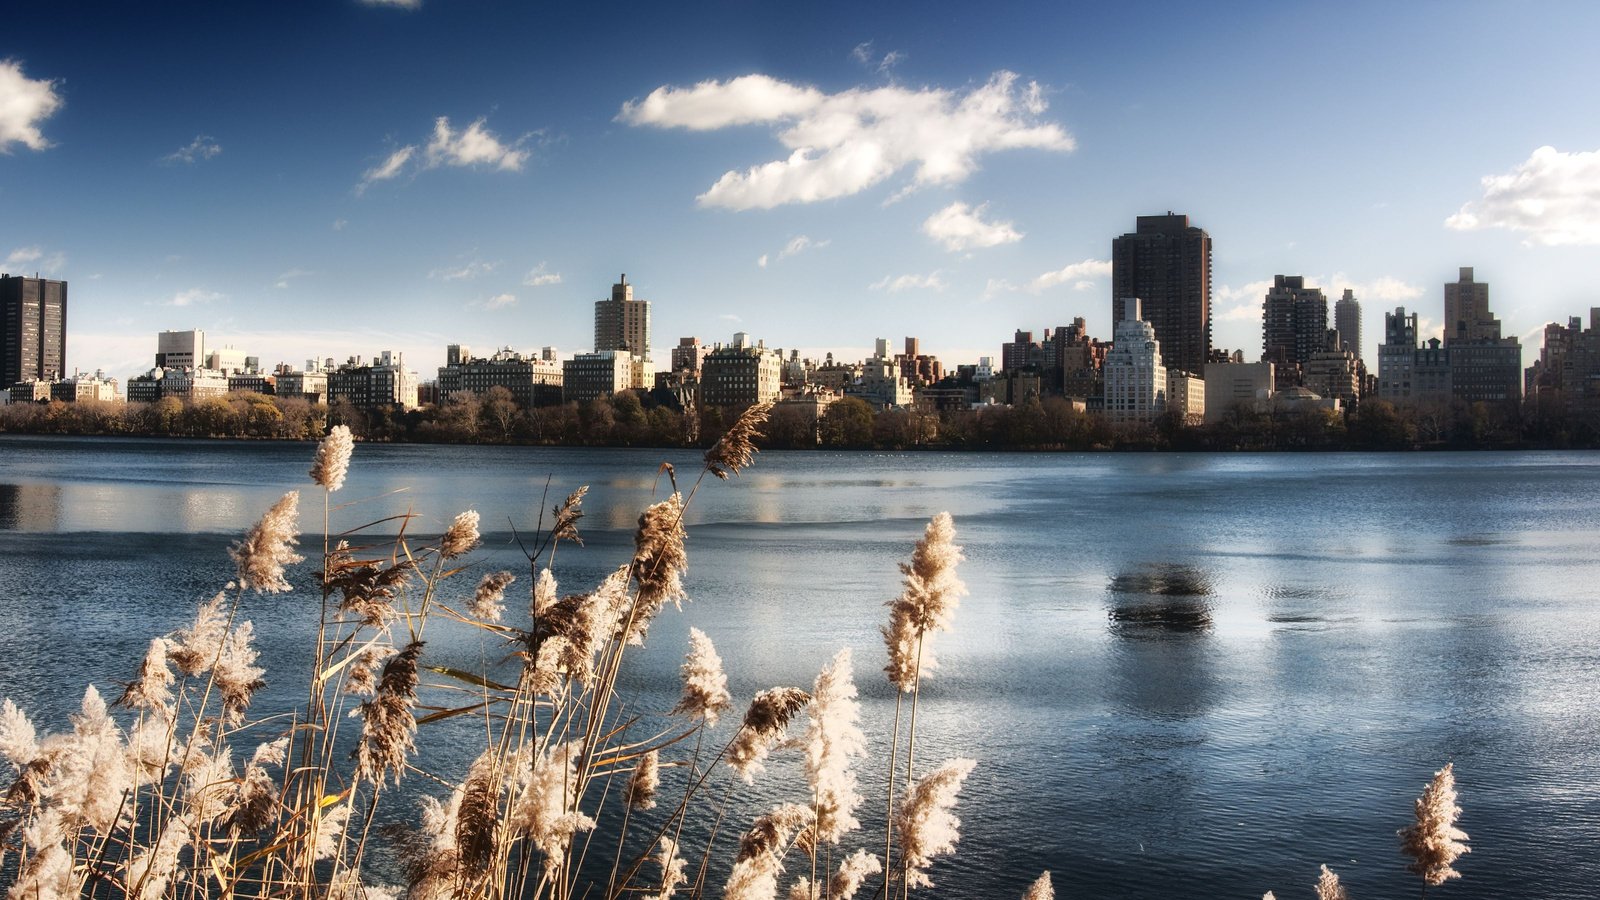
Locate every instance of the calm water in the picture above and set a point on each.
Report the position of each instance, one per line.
(1182, 675)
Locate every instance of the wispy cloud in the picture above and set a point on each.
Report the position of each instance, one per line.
(1553, 197)
(393, 4)
(25, 103)
(472, 147)
(500, 301)
(194, 296)
(961, 227)
(864, 54)
(893, 284)
(339, 224)
(391, 167)
(464, 272)
(286, 277)
(540, 276)
(798, 244)
(35, 259)
(203, 147)
(844, 143)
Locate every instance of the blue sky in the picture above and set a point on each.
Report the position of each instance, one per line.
(337, 178)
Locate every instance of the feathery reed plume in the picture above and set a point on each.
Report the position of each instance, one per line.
(1268, 896)
(705, 687)
(461, 537)
(265, 549)
(333, 458)
(430, 857)
(478, 817)
(853, 871)
(572, 631)
(152, 690)
(255, 805)
(927, 827)
(1434, 842)
(760, 859)
(544, 808)
(1044, 890)
(764, 723)
(361, 679)
(736, 450)
(1328, 887)
(488, 601)
(388, 729)
(928, 603)
(659, 562)
(195, 648)
(331, 823)
(833, 738)
(237, 677)
(150, 870)
(209, 785)
(544, 594)
(367, 588)
(672, 866)
(567, 516)
(642, 784)
(48, 874)
(19, 742)
(89, 771)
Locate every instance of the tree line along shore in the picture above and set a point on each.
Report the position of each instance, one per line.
(650, 420)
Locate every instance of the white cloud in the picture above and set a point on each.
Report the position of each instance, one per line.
(193, 296)
(24, 105)
(730, 317)
(393, 4)
(475, 146)
(1383, 289)
(863, 54)
(961, 227)
(762, 260)
(500, 301)
(339, 224)
(465, 272)
(391, 167)
(285, 278)
(201, 148)
(1553, 196)
(34, 259)
(929, 282)
(540, 277)
(841, 144)
(1077, 274)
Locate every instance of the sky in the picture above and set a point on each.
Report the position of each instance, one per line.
(343, 177)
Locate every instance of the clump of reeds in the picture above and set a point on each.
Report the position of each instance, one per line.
(189, 797)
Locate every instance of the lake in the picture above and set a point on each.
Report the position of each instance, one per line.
(1181, 675)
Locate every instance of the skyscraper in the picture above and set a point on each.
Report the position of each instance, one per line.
(1466, 311)
(1166, 264)
(1484, 367)
(1294, 325)
(622, 323)
(1347, 321)
(33, 329)
(1135, 379)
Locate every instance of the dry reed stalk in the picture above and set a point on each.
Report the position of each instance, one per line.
(388, 730)
(1328, 887)
(1434, 842)
(927, 827)
(266, 548)
(736, 449)
(764, 724)
(332, 461)
(1042, 889)
(705, 687)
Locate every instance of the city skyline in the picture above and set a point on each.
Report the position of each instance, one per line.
(299, 185)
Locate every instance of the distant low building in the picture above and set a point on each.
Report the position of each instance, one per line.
(589, 376)
(740, 374)
(385, 382)
(1186, 396)
(1135, 379)
(532, 381)
(1230, 385)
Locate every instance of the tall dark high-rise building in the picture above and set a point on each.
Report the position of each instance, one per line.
(1294, 325)
(1347, 321)
(622, 323)
(33, 329)
(1166, 264)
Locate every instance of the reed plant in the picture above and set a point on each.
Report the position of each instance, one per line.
(181, 788)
